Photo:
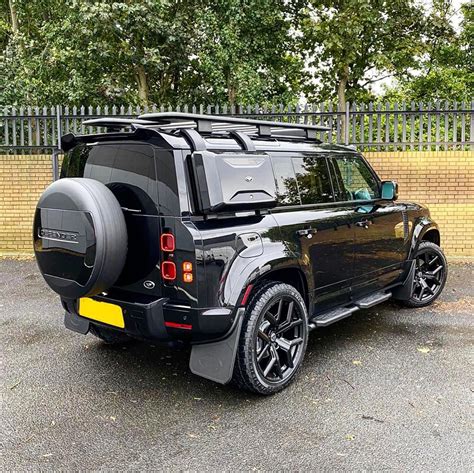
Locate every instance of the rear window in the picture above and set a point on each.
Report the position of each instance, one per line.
(129, 170)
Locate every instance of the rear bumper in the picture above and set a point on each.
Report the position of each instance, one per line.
(160, 320)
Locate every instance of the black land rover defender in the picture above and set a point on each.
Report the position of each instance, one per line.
(236, 236)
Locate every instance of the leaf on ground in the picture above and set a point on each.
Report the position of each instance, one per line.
(356, 362)
(13, 386)
(350, 437)
(423, 349)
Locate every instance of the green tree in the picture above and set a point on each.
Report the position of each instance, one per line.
(244, 54)
(446, 66)
(146, 51)
(351, 44)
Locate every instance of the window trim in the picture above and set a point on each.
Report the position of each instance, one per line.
(338, 203)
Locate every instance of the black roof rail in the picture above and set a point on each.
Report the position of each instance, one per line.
(172, 121)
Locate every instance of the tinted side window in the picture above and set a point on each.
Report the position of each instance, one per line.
(314, 183)
(285, 181)
(355, 178)
(128, 169)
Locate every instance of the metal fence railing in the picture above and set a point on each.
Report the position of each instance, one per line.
(373, 126)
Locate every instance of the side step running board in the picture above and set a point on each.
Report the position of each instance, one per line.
(373, 299)
(328, 318)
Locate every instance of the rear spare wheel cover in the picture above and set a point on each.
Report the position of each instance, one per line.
(79, 237)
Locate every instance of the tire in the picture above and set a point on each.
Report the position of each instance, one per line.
(80, 237)
(431, 271)
(109, 336)
(273, 306)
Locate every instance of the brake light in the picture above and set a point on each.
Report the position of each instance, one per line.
(168, 270)
(167, 242)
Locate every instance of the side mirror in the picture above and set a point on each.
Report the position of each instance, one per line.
(389, 190)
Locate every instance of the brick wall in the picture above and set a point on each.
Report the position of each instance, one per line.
(22, 180)
(443, 180)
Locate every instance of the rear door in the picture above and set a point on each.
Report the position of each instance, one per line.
(314, 227)
(128, 169)
(380, 242)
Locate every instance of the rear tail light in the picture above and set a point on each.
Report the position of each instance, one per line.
(167, 242)
(168, 270)
(188, 277)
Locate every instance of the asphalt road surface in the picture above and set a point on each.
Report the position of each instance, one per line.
(389, 388)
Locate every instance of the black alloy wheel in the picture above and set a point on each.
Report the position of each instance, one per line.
(273, 339)
(279, 340)
(430, 275)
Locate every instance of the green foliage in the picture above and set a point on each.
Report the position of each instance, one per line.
(351, 44)
(148, 51)
(98, 52)
(446, 69)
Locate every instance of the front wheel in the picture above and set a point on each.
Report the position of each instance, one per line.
(273, 339)
(431, 272)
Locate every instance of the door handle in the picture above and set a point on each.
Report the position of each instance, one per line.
(308, 232)
(364, 223)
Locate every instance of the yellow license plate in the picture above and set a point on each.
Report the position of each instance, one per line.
(104, 312)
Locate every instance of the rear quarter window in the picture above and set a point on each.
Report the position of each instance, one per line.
(302, 180)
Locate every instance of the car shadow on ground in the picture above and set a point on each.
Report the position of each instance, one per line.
(148, 367)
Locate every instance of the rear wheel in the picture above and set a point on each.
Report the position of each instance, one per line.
(431, 271)
(273, 339)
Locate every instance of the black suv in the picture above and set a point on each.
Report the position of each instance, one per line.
(236, 236)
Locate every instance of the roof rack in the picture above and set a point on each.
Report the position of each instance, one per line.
(192, 125)
(116, 124)
(221, 123)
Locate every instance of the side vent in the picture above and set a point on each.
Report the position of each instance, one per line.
(406, 226)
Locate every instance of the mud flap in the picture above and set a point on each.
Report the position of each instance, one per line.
(215, 361)
(75, 323)
(405, 291)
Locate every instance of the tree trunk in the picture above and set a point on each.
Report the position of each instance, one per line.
(14, 17)
(341, 98)
(231, 90)
(142, 84)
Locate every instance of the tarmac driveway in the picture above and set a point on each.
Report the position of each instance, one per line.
(389, 388)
